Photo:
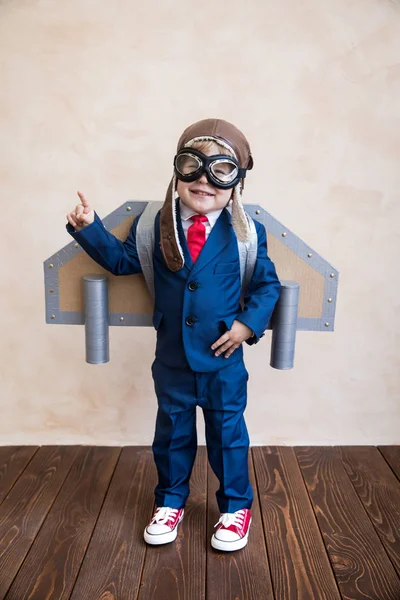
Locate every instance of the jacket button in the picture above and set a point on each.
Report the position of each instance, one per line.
(190, 321)
(193, 285)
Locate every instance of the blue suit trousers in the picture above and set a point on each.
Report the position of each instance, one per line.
(222, 395)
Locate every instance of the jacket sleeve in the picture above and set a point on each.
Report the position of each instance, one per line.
(263, 291)
(120, 258)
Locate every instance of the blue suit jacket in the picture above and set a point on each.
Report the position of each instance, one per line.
(190, 318)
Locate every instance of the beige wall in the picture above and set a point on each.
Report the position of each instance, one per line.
(93, 96)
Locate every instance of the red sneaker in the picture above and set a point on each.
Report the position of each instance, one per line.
(163, 527)
(232, 530)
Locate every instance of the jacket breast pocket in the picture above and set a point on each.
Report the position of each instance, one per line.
(157, 318)
(230, 268)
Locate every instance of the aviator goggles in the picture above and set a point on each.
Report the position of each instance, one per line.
(222, 171)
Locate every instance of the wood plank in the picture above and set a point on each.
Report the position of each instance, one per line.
(52, 564)
(26, 506)
(177, 570)
(113, 564)
(244, 574)
(392, 457)
(362, 567)
(300, 566)
(13, 460)
(379, 491)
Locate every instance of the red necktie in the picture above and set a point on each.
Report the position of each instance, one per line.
(196, 236)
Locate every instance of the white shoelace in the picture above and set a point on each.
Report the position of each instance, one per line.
(228, 519)
(163, 514)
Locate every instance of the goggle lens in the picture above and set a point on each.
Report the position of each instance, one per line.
(187, 164)
(224, 170)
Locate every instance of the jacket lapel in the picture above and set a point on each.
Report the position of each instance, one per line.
(221, 235)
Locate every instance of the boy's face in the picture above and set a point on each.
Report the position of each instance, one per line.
(200, 195)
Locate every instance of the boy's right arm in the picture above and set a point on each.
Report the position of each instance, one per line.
(120, 258)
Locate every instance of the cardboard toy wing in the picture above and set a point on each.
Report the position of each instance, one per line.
(79, 291)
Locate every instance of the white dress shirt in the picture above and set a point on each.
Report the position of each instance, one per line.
(187, 212)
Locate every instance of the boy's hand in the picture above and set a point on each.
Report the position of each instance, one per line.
(232, 339)
(82, 215)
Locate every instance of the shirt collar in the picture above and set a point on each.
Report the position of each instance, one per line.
(187, 212)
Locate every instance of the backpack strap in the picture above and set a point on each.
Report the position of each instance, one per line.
(247, 258)
(145, 243)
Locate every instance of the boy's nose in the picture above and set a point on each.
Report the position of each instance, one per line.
(203, 178)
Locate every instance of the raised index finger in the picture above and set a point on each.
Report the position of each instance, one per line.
(82, 198)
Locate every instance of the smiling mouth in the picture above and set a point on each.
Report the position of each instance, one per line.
(201, 193)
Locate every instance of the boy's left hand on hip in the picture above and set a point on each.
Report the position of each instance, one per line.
(232, 339)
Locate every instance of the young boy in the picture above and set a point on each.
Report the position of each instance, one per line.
(199, 321)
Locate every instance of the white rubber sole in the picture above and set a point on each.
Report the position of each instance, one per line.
(230, 546)
(161, 538)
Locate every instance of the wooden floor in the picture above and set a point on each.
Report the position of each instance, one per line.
(326, 525)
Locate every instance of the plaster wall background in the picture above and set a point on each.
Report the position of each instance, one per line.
(94, 95)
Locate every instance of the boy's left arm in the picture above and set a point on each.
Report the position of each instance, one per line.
(263, 291)
(259, 303)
